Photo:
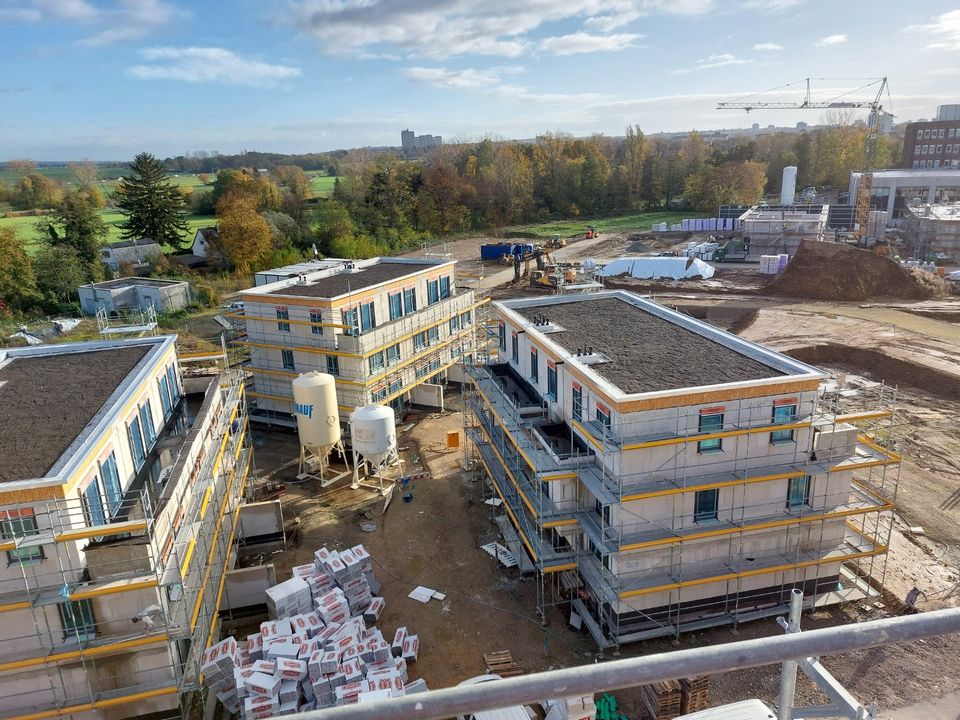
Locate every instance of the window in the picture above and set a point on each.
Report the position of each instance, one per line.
(950, 132)
(939, 149)
(516, 348)
(940, 133)
(783, 415)
(919, 134)
(283, 314)
(798, 492)
(396, 305)
(287, 356)
(316, 318)
(433, 292)
(916, 149)
(552, 380)
(378, 395)
(534, 366)
(350, 320)
(427, 368)
(916, 163)
(111, 483)
(420, 341)
(375, 362)
(433, 335)
(603, 511)
(76, 619)
(577, 403)
(395, 386)
(502, 330)
(393, 354)
(445, 284)
(409, 301)
(136, 443)
(174, 385)
(333, 365)
(454, 324)
(16, 524)
(705, 505)
(710, 423)
(93, 504)
(465, 319)
(926, 134)
(368, 317)
(165, 396)
(603, 416)
(936, 163)
(146, 422)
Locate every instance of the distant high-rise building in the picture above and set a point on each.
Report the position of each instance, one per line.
(415, 144)
(802, 126)
(933, 143)
(948, 112)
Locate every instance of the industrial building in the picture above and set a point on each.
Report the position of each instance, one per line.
(119, 510)
(134, 293)
(933, 232)
(661, 475)
(775, 229)
(933, 143)
(389, 329)
(893, 190)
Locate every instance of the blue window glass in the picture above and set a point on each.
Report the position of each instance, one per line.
(288, 363)
(552, 382)
(433, 292)
(376, 362)
(710, 424)
(94, 504)
(165, 396)
(111, 483)
(393, 354)
(454, 324)
(136, 443)
(315, 317)
(420, 340)
(368, 318)
(146, 422)
(17, 525)
(577, 404)
(409, 301)
(174, 385)
(350, 320)
(783, 415)
(283, 314)
(76, 619)
(396, 306)
(798, 492)
(444, 287)
(705, 505)
(502, 330)
(534, 366)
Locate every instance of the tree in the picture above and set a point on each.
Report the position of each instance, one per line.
(284, 230)
(733, 183)
(244, 237)
(59, 272)
(443, 200)
(204, 178)
(153, 206)
(76, 222)
(36, 190)
(634, 158)
(331, 222)
(18, 287)
(293, 178)
(262, 190)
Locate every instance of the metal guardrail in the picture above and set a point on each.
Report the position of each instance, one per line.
(618, 674)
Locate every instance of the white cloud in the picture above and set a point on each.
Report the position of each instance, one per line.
(111, 21)
(712, 61)
(831, 40)
(945, 27)
(446, 28)
(209, 64)
(582, 42)
(771, 5)
(490, 82)
(768, 47)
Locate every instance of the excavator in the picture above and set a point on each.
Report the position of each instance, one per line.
(592, 233)
(540, 254)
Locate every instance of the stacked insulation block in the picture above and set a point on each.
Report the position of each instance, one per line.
(321, 647)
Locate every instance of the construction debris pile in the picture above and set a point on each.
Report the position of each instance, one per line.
(321, 647)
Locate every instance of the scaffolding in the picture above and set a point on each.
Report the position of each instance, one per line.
(127, 323)
(122, 607)
(631, 572)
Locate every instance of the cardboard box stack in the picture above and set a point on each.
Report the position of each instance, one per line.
(321, 647)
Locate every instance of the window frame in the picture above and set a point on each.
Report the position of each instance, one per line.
(391, 361)
(791, 503)
(515, 348)
(706, 515)
(287, 359)
(368, 317)
(576, 401)
(433, 291)
(283, 318)
(316, 317)
(82, 631)
(711, 445)
(534, 365)
(395, 312)
(409, 300)
(444, 287)
(778, 437)
(333, 365)
(110, 463)
(146, 424)
(377, 362)
(13, 527)
(602, 413)
(551, 380)
(138, 448)
(502, 332)
(89, 514)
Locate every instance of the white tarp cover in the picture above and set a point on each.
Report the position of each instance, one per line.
(676, 268)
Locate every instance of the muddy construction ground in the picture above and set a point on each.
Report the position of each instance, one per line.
(435, 539)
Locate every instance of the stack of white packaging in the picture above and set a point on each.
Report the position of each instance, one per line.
(321, 647)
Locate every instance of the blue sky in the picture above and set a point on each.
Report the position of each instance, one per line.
(104, 79)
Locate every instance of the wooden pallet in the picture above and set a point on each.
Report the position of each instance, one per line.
(661, 699)
(694, 694)
(501, 663)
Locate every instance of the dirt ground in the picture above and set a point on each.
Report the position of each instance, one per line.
(434, 540)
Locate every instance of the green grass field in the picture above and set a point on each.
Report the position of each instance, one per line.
(322, 184)
(110, 176)
(620, 223)
(25, 227)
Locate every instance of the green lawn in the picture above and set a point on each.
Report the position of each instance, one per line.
(110, 176)
(620, 223)
(323, 184)
(25, 227)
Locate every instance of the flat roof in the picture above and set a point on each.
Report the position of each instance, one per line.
(48, 399)
(336, 281)
(647, 347)
(937, 212)
(127, 282)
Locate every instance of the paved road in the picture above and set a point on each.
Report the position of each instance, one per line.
(943, 708)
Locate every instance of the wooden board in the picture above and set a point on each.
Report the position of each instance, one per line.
(501, 663)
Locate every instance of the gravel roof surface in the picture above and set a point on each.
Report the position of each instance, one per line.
(647, 353)
(345, 282)
(47, 401)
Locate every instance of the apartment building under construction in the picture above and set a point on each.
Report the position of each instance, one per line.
(661, 475)
(389, 329)
(118, 509)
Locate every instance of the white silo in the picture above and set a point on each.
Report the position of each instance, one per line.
(318, 423)
(788, 185)
(373, 437)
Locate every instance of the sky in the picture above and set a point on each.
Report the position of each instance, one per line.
(105, 79)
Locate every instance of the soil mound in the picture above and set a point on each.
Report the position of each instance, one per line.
(834, 271)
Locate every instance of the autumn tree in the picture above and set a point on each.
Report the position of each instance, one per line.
(18, 287)
(264, 192)
(35, 190)
(294, 179)
(244, 237)
(151, 204)
(76, 222)
(59, 272)
(730, 183)
(633, 159)
(444, 198)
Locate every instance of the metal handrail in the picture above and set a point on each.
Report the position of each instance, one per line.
(618, 674)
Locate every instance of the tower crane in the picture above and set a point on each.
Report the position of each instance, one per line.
(838, 102)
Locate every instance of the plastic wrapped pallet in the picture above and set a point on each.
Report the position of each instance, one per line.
(290, 597)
